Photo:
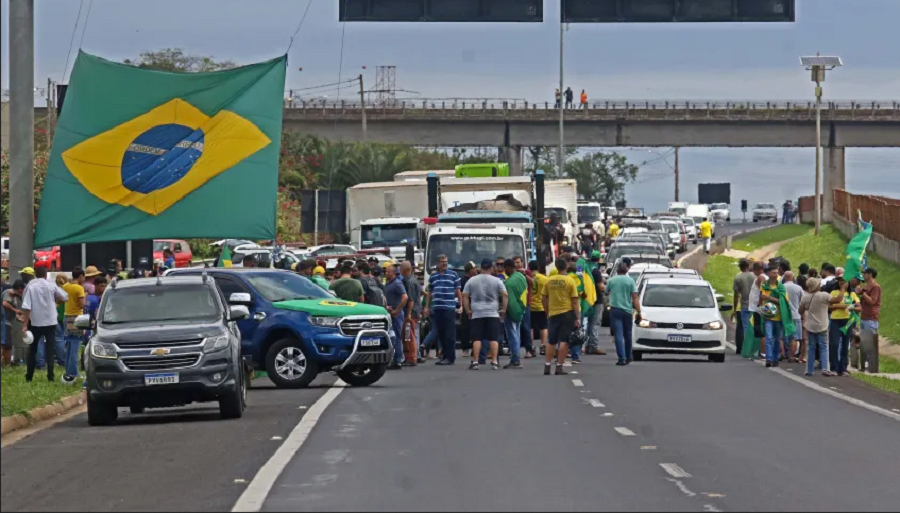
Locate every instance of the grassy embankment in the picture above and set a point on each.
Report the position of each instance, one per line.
(18, 397)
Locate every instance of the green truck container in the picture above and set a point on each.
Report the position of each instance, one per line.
(482, 170)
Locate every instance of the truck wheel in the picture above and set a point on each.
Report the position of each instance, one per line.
(137, 410)
(288, 365)
(232, 406)
(362, 376)
(100, 414)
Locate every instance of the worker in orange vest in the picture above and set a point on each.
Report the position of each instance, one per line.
(583, 99)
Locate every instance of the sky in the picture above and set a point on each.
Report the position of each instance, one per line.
(521, 61)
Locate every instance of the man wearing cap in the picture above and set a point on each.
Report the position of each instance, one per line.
(90, 274)
(39, 305)
(318, 277)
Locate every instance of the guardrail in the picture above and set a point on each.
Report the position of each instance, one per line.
(737, 110)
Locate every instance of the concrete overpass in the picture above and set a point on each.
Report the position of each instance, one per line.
(511, 126)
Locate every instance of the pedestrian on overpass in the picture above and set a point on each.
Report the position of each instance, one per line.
(584, 100)
(706, 234)
(570, 97)
(561, 302)
(485, 301)
(558, 100)
(444, 294)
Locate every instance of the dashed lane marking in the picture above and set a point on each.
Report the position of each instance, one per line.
(597, 404)
(240, 481)
(277, 438)
(577, 382)
(682, 487)
(254, 496)
(711, 509)
(648, 447)
(607, 414)
(624, 431)
(675, 471)
(714, 495)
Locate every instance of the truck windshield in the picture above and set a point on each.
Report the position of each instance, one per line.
(159, 304)
(560, 212)
(387, 235)
(461, 249)
(588, 214)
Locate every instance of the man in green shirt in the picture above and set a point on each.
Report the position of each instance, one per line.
(624, 303)
(517, 290)
(348, 288)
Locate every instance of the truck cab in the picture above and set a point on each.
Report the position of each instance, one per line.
(391, 234)
(463, 243)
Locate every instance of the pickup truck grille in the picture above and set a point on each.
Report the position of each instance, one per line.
(154, 345)
(156, 363)
(352, 327)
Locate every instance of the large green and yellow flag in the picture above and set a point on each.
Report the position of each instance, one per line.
(856, 253)
(144, 154)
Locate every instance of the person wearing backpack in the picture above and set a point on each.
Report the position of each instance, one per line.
(374, 293)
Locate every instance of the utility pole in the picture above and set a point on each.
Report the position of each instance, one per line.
(51, 112)
(362, 105)
(21, 142)
(677, 176)
(560, 157)
(818, 149)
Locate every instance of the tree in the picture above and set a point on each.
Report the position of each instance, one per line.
(175, 60)
(601, 176)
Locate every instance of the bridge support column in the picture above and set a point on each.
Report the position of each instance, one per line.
(513, 155)
(834, 176)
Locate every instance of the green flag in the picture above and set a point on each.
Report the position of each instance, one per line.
(144, 154)
(856, 253)
(225, 256)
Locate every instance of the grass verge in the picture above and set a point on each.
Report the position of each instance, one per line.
(881, 383)
(720, 273)
(763, 238)
(18, 397)
(829, 247)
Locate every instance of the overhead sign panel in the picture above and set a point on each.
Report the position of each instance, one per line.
(442, 10)
(684, 11)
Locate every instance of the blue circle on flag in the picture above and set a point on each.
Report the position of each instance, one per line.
(160, 157)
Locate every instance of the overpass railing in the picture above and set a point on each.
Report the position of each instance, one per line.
(676, 110)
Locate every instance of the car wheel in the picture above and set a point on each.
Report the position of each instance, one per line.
(717, 358)
(137, 410)
(288, 365)
(755, 220)
(362, 376)
(100, 414)
(232, 406)
(638, 356)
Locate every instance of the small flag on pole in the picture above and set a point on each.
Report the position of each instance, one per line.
(225, 257)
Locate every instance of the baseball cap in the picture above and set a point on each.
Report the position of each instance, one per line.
(487, 263)
(319, 270)
(42, 263)
(28, 270)
(595, 255)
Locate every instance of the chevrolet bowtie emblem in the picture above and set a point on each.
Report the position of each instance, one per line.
(160, 352)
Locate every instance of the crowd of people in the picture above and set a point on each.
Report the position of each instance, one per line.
(569, 96)
(812, 316)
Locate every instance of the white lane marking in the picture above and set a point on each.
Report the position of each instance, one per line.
(597, 404)
(277, 438)
(624, 431)
(711, 509)
(674, 470)
(895, 410)
(682, 487)
(302, 408)
(688, 255)
(809, 384)
(240, 481)
(577, 382)
(255, 495)
(607, 414)
(648, 447)
(856, 402)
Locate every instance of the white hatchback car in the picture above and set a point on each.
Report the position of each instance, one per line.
(680, 316)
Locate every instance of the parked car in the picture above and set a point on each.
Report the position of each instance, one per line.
(680, 316)
(765, 212)
(52, 255)
(161, 343)
(692, 229)
(180, 249)
(297, 330)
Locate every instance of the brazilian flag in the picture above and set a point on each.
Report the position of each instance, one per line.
(145, 154)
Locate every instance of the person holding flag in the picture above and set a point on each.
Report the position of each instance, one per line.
(778, 317)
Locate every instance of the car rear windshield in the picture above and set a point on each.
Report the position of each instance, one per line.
(286, 286)
(159, 304)
(765, 206)
(671, 227)
(678, 296)
(619, 251)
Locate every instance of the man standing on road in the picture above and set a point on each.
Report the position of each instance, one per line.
(444, 295)
(412, 314)
(396, 299)
(814, 310)
(485, 300)
(742, 285)
(74, 307)
(347, 288)
(597, 276)
(754, 331)
(795, 294)
(538, 314)
(624, 303)
(870, 296)
(706, 234)
(561, 302)
(517, 292)
(39, 304)
(526, 336)
(779, 323)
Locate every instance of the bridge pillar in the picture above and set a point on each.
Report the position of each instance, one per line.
(834, 176)
(513, 155)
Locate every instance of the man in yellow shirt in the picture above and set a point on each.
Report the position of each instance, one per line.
(613, 230)
(561, 302)
(74, 307)
(538, 314)
(706, 234)
(846, 307)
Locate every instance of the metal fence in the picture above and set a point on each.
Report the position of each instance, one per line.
(884, 213)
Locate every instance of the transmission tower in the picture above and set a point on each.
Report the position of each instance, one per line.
(386, 85)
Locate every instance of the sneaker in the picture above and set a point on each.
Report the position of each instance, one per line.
(68, 380)
(444, 362)
(473, 366)
(621, 364)
(576, 361)
(547, 370)
(420, 360)
(495, 366)
(560, 370)
(543, 350)
(513, 365)
(408, 364)
(394, 366)
(808, 374)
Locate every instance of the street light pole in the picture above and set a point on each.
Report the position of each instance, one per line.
(560, 157)
(677, 176)
(21, 143)
(818, 148)
(362, 104)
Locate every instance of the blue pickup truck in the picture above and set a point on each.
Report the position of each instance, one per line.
(297, 330)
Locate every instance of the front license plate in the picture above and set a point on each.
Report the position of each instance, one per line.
(680, 338)
(161, 379)
(370, 342)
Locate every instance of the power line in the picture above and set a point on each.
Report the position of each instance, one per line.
(84, 28)
(350, 81)
(72, 40)
(298, 26)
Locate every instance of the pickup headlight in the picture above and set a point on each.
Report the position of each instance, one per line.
(325, 322)
(213, 344)
(104, 350)
(715, 325)
(646, 324)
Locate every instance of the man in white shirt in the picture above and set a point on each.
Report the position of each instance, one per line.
(39, 306)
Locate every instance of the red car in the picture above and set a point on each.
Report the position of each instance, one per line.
(181, 250)
(51, 255)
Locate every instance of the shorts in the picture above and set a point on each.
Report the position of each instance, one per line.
(538, 320)
(798, 330)
(561, 328)
(485, 328)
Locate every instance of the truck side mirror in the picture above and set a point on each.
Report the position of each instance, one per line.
(240, 298)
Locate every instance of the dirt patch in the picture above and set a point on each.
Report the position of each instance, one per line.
(765, 253)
